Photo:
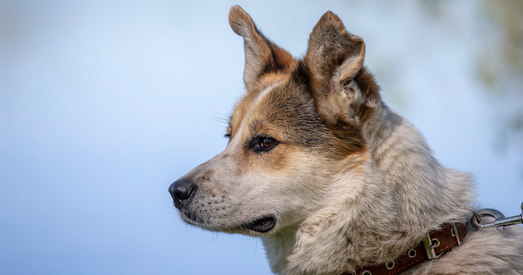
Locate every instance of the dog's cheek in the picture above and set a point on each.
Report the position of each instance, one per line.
(275, 161)
(296, 178)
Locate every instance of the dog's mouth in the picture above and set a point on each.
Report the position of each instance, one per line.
(262, 225)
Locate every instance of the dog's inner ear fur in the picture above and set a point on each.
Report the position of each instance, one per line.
(342, 88)
(261, 55)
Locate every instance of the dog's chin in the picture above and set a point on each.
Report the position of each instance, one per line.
(256, 227)
(262, 225)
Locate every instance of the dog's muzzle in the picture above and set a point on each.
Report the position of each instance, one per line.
(181, 190)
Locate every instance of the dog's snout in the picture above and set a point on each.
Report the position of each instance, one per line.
(181, 190)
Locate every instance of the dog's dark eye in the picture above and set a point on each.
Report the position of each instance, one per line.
(228, 132)
(267, 143)
(263, 144)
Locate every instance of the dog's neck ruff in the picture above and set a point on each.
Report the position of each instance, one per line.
(433, 245)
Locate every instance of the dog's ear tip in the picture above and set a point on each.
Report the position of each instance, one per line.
(330, 15)
(235, 12)
(236, 7)
(238, 19)
(330, 18)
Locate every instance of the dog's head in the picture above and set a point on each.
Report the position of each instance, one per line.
(296, 128)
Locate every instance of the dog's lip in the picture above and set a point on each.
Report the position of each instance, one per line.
(262, 225)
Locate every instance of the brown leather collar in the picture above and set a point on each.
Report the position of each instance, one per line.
(433, 245)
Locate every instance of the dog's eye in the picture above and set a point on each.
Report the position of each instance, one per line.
(263, 144)
(267, 143)
(228, 132)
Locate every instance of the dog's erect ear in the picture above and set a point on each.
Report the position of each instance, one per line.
(261, 55)
(341, 85)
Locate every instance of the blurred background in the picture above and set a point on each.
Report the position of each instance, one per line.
(104, 103)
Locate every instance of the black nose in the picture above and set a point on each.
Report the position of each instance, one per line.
(181, 190)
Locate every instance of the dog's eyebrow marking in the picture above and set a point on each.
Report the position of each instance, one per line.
(261, 96)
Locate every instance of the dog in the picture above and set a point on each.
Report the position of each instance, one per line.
(330, 178)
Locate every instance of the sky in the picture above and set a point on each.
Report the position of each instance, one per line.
(103, 104)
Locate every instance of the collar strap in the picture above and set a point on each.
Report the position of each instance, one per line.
(433, 245)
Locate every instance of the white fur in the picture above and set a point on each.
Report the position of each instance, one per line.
(401, 193)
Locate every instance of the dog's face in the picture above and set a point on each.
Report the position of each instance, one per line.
(296, 127)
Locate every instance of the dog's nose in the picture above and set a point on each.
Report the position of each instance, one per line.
(181, 190)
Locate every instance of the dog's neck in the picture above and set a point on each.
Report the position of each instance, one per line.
(390, 202)
(408, 167)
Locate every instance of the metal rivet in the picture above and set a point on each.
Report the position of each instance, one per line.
(366, 272)
(412, 253)
(390, 265)
(435, 242)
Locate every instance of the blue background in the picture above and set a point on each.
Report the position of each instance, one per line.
(103, 104)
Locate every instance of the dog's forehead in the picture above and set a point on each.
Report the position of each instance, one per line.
(278, 100)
